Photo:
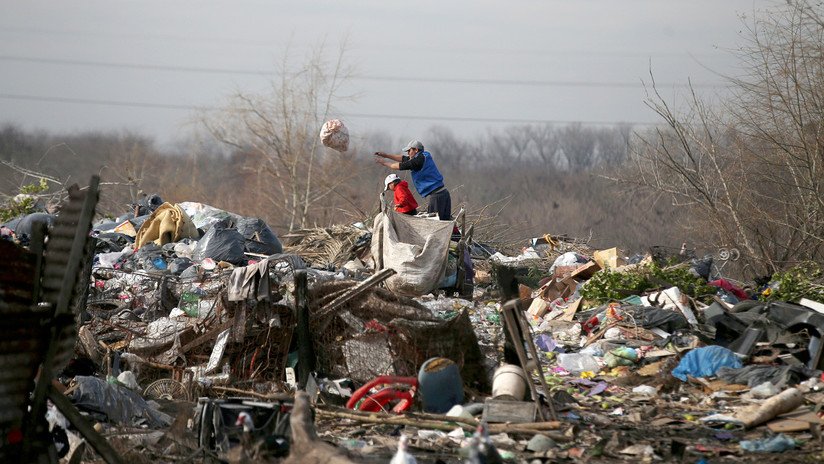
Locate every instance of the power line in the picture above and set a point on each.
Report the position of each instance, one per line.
(370, 47)
(89, 101)
(133, 104)
(439, 80)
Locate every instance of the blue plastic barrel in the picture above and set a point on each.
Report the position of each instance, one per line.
(440, 385)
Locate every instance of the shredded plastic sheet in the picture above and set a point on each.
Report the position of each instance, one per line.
(335, 135)
(205, 216)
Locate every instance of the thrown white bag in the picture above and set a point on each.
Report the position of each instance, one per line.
(335, 135)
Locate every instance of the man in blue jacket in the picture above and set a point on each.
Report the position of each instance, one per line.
(425, 175)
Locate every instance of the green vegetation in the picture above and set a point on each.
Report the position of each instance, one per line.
(609, 285)
(802, 281)
(25, 204)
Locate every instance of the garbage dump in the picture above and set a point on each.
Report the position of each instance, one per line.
(197, 334)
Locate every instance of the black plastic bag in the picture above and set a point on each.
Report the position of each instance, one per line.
(220, 244)
(26, 223)
(259, 237)
(702, 267)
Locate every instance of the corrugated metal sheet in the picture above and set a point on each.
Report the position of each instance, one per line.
(21, 333)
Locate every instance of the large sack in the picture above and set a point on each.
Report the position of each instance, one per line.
(25, 225)
(220, 244)
(416, 248)
(335, 135)
(168, 223)
(259, 237)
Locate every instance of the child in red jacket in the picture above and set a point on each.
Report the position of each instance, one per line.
(404, 201)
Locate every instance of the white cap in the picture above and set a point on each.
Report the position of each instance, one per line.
(413, 144)
(389, 179)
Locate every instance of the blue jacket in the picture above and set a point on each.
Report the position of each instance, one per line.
(427, 179)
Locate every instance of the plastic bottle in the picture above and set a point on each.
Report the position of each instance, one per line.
(190, 302)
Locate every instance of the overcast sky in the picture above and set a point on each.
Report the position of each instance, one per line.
(467, 65)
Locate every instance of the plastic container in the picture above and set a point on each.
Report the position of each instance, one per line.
(509, 383)
(440, 385)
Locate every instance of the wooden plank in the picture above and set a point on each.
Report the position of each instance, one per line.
(514, 328)
(208, 336)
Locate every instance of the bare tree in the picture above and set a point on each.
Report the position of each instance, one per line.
(277, 133)
(578, 145)
(750, 170)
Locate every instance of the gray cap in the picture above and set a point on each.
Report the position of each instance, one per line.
(413, 144)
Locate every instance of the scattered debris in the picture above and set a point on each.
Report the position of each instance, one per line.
(200, 334)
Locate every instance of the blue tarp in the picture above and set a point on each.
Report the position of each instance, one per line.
(705, 362)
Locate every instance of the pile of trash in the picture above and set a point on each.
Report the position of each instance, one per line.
(201, 334)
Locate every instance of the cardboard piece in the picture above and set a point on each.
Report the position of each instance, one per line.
(608, 258)
(571, 309)
(586, 271)
(555, 289)
(796, 421)
(524, 292)
(538, 308)
(127, 228)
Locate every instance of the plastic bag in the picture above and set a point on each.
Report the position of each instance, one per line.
(335, 135)
(117, 403)
(577, 362)
(220, 244)
(259, 237)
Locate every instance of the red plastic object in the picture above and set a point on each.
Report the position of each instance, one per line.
(379, 399)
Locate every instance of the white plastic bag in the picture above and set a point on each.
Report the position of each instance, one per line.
(334, 135)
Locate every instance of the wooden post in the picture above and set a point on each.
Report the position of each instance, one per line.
(306, 352)
(518, 328)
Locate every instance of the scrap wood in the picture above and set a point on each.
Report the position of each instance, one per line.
(635, 332)
(597, 335)
(717, 385)
(120, 327)
(206, 337)
(437, 422)
(355, 291)
(265, 396)
(570, 310)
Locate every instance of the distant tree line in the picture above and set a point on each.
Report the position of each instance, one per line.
(514, 190)
(743, 173)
